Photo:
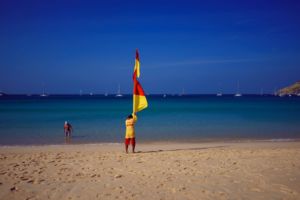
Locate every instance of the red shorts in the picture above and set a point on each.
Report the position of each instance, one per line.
(130, 141)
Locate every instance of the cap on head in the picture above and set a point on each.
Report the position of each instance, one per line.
(66, 122)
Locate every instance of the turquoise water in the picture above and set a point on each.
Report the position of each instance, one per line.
(97, 119)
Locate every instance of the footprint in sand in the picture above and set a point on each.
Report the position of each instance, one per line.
(118, 176)
(255, 190)
(159, 186)
(31, 181)
(41, 181)
(3, 157)
(14, 188)
(24, 178)
(94, 175)
(285, 189)
(79, 174)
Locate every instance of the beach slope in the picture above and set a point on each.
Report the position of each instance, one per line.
(241, 170)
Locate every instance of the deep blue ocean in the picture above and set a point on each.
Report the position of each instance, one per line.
(27, 120)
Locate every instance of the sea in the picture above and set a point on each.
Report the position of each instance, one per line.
(36, 120)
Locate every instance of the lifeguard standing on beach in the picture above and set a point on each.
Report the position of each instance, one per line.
(139, 103)
(130, 133)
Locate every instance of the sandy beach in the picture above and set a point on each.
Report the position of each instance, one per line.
(222, 170)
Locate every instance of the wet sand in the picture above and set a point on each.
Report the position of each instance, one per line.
(223, 170)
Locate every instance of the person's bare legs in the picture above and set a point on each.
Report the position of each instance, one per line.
(126, 148)
(133, 148)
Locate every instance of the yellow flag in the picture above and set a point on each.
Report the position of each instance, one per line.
(139, 98)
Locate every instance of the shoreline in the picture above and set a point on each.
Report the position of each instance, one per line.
(144, 147)
(143, 142)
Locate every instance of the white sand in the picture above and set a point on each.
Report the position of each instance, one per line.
(246, 170)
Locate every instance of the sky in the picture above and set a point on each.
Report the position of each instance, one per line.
(203, 47)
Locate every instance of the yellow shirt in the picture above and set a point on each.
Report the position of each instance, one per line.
(130, 127)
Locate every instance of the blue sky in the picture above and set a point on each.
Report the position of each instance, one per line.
(201, 46)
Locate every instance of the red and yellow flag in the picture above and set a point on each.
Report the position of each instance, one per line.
(139, 98)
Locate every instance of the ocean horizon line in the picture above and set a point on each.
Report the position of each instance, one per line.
(128, 94)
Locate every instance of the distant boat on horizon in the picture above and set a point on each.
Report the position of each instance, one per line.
(119, 92)
(43, 94)
(219, 94)
(238, 94)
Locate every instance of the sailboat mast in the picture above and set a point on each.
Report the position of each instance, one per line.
(119, 91)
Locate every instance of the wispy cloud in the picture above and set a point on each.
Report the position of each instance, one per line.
(198, 62)
(205, 62)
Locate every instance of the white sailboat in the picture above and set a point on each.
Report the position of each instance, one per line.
(43, 94)
(119, 92)
(238, 94)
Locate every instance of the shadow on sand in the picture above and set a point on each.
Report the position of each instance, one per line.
(182, 149)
